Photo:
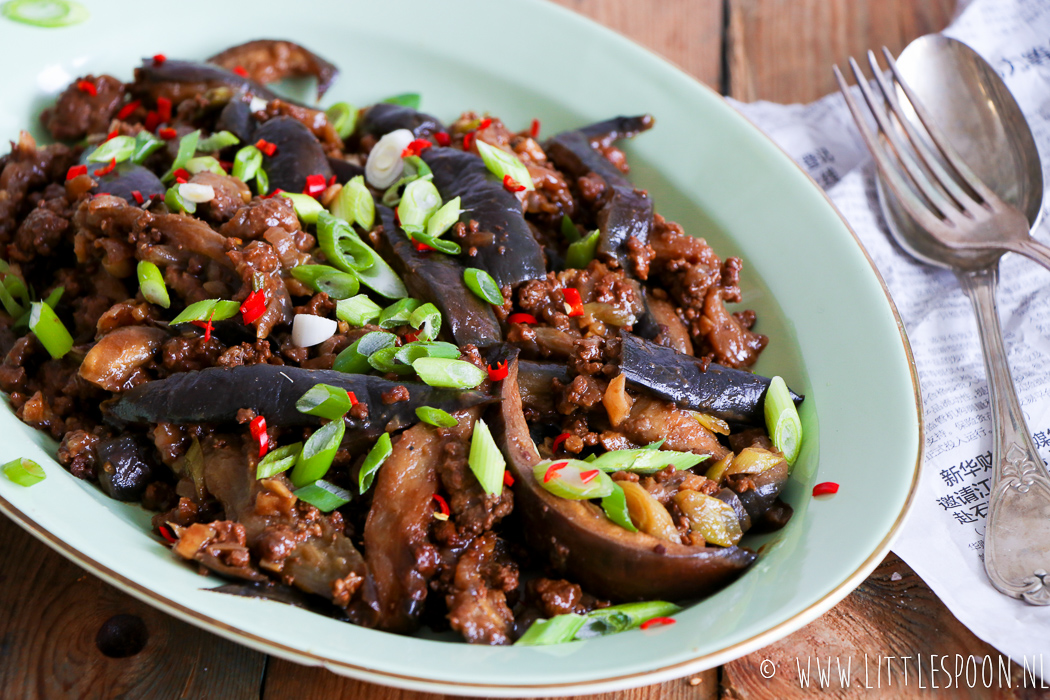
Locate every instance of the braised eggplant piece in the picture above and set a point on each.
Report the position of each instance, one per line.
(624, 212)
(536, 384)
(214, 395)
(610, 130)
(437, 278)
(344, 170)
(382, 118)
(269, 60)
(298, 155)
(126, 178)
(505, 247)
(181, 80)
(580, 541)
(124, 469)
(730, 394)
(236, 118)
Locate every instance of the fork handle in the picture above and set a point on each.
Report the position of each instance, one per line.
(1017, 529)
(1032, 249)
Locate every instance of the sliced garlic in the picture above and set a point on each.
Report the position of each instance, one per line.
(309, 330)
(196, 193)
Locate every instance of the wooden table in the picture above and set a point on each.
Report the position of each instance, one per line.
(64, 633)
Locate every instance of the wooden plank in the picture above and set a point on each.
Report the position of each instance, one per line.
(285, 680)
(783, 50)
(55, 621)
(892, 614)
(686, 32)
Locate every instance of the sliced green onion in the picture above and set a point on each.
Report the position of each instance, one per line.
(436, 417)
(485, 460)
(581, 252)
(208, 309)
(306, 207)
(376, 456)
(45, 13)
(567, 481)
(326, 401)
(187, 147)
(782, 421)
(343, 118)
(620, 618)
(405, 99)
(49, 330)
(14, 284)
(418, 203)
(427, 320)
(646, 461)
(355, 204)
(407, 354)
(615, 507)
(449, 374)
(24, 471)
(398, 313)
(557, 630)
(569, 230)
(118, 148)
(177, 203)
(336, 239)
(146, 144)
(447, 247)
(262, 182)
(217, 141)
(444, 218)
(357, 310)
(8, 300)
(151, 284)
(54, 297)
(202, 163)
(247, 163)
(419, 167)
(385, 360)
(318, 453)
(323, 496)
(482, 284)
(325, 278)
(354, 359)
(500, 163)
(277, 461)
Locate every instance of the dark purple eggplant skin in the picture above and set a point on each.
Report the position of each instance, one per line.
(125, 468)
(588, 548)
(308, 62)
(514, 255)
(730, 394)
(298, 154)
(536, 384)
(382, 118)
(236, 118)
(126, 178)
(625, 212)
(210, 76)
(344, 170)
(214, 395)
(438, 278)
(763, 490)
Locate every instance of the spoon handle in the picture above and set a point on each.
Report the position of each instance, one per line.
(1017, 533)
(1032, 249)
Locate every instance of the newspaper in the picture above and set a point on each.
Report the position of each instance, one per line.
(943, 537)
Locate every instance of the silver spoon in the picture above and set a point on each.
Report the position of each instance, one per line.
(979, 116)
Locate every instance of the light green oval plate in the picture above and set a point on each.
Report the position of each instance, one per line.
(834, 334)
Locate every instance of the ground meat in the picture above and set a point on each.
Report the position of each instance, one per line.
(473, 511)
(320, 304)
(396, 395)
(732, 344)
(582, 392)
(39, 235)
(260, 215)
(258, 263)
(78, 113)
(77, 454)
(664, 484)
(560, 597)
(189, 353)
(230, 196)
(256, 353)
(24, 169)
(477, 603)
(651, 420)
(313, 119)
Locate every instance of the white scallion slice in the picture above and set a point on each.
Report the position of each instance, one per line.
(384, 164)
(500, 163)
(485, 460)
(118, 148)
(204, 163)
(782, 421)
(418, 203)
(354, 204)
(151, 284)
(357, 310)
(309, 330)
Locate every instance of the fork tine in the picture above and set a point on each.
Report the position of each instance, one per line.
(933, 196)
(940, 176)
(939, 140)
(894, 180)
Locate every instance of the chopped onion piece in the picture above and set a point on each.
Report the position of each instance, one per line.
(309, 330)
(196, 193)
(384, 165)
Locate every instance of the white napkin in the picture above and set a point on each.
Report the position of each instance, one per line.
(943, 537)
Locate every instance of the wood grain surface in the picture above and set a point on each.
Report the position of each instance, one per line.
(56, 620)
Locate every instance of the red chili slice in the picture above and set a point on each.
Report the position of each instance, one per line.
(588, 476)
(139, 199)
(165, 532)
(443, 507)
(152, 121)
(411, 336)
(183, 173)
(512, 185)
(485, 123)
(657, 621)
(534, 130)
(107, 168)
(258, 430)
(572, 298)
(442, 138)
(467, 139)
(415, 148)
(552, 470)
(113, 134)
(521, 318)
(825, 488)
(207, 326)
(88, 87)
(167, 133)
(127, 109)
(241, 71)
(499, 372)
(76, 171)
(331, 181)
(315, 185)
(253, 306)
(159, 59)
(164, 109)
(422, 247)
(559, 440)
(266, 147)
(353, 398)
(508, 479)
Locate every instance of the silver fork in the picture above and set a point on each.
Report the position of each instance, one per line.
(951, 215)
